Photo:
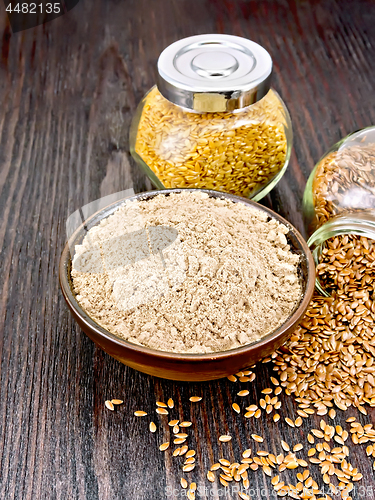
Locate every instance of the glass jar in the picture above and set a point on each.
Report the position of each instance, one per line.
(339, 197)
(212, 121)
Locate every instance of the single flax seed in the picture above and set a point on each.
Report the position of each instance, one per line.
(109, 405)
(140, 413)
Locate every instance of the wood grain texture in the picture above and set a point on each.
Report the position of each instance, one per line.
(68, 90)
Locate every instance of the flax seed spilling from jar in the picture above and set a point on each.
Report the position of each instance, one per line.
(233, 152)
(330, 358)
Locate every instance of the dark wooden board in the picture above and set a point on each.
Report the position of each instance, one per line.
(68, 90)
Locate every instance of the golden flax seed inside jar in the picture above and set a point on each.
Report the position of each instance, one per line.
(212, 121)
(339, 214)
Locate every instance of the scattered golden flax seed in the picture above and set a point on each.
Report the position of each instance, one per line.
(210, 476)
(275, 480)
(293, 464)
(310, 439)
(326, 457)
(225, 462)
(193, 486)
(181, 435)
(161, 404)
(152, 427)
(227, 477)
(302, 413)
(170, 403)
(186, 424)
(162, 411)
(225, 438)
(267, 391)
(285, 446)
(332, 414)
(236, 408)
(109, 405)
(172, 423)
(289, 421)
(232, 378)
(245, 392)
(184, 483)
(223, 482)
(179, 440)
(242, 468)
(243, 496)
(276, 417)
(267, 470)
(195, 399)
(117, 401)
(317, 433)
(188, 468)
(249, 372)
(164, 446)
(298, 422)
(190, 495)
(140, 413)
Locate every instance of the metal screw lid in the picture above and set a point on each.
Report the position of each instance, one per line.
(213, 73)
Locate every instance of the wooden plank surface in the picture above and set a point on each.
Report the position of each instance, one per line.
(68, 90)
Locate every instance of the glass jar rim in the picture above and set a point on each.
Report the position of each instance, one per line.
(361, 223)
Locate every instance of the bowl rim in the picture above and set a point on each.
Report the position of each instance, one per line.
(293, 319)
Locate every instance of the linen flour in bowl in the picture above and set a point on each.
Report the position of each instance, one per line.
(187, 273)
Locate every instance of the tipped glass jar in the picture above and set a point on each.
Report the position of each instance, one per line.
(212, 121)
(339, 211)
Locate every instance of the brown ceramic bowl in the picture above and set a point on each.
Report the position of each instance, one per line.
(188, 367)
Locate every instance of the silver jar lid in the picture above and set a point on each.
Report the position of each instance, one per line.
(213, 73)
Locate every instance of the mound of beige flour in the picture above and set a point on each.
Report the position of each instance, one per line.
(187, 273)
